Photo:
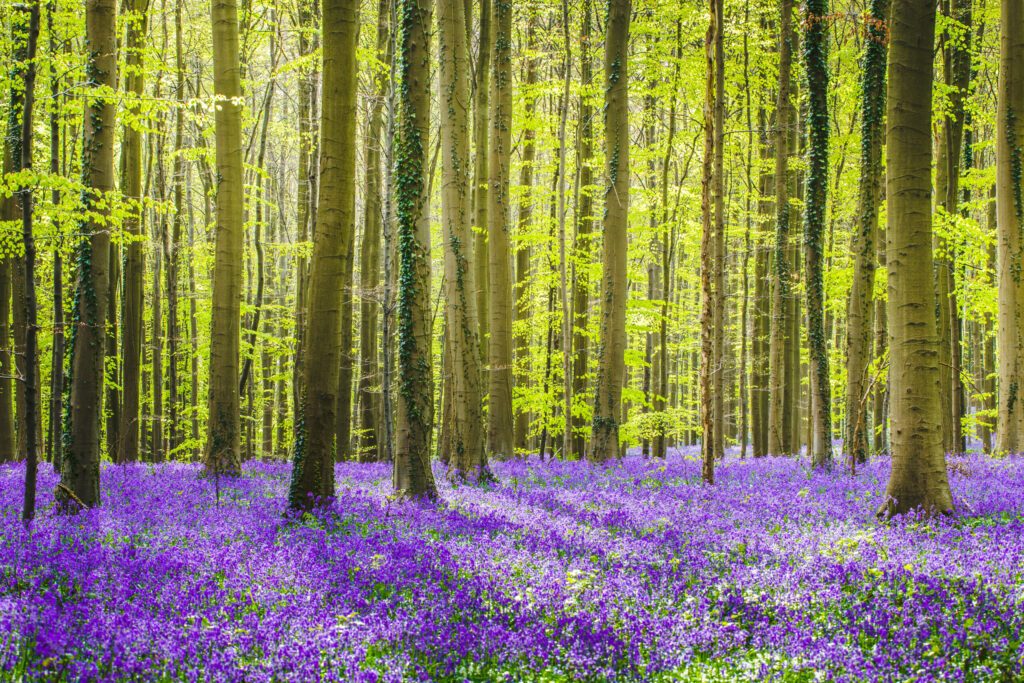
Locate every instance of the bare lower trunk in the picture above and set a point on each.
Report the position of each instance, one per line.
(611, 368)
(918, 478)
(80, 473)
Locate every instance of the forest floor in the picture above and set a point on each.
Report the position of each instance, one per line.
(560, 571)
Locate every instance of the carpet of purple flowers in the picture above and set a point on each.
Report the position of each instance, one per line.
(560, 571)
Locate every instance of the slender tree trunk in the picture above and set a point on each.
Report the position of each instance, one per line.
(666, 251)
(522, 252)
(80, 474)
(370, 258)
(223, 448)
(989, 332)
(604, 443)
(412, 475)
(481, 170)
(815, 53)
(721, 265)
(28, 241)
(307, 180)
(135, 262)
(57, 356)
(313, 473)
(858, 344)
(918, 478)
(173, 246)
(957, 71)
(582, 245)
(708, 257)
(780, 267)
(156, 449)
(759, 386)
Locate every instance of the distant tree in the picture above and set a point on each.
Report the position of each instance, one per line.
(779, 433)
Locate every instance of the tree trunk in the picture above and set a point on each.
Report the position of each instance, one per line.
(467, 458)
(611, 371)
(135, 261)
(55, 433)
(525, 213)
(313, 473)
(1010, 219)
(778, 417)
(500, 443)
(481, 169)
(31, 382)
(369, 259)
(815, 52)
(957, 71)
(918, 478)
(412, 475)
(858, 340)
(80, 474)
(223, 448)
(582, 245)
(709, 258)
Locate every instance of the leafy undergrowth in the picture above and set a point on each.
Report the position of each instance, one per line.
(558, 572)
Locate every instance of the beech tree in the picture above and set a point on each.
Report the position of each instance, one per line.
(467, 457)
(1010, 218)
(500, 435)
(313, 471)
(413, 477)
(918, 478)
(604, 440)
(80, 466)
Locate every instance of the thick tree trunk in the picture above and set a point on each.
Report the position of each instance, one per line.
(1010, 220)
(500, 441)
(313, 473)
(611, 368)
(412, 474)
(467, 457)
(918, 478)
(223, 448)
(80, 473)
